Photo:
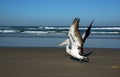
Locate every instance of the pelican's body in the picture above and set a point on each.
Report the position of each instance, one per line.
(75, 42)
(75, 52)
(72, 51)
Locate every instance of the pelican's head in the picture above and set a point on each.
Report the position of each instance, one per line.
(67, 41)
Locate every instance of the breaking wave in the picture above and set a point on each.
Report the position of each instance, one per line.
(40, 31)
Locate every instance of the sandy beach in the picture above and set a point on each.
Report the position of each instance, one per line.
(54, 62)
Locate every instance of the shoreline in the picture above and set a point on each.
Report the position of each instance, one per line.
(54, 42)
(54, 62)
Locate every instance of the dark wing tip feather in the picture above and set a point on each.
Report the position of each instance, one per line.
(76, 20)
(87, 33)
(92, 22)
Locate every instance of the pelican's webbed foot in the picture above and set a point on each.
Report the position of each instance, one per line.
(85, 59)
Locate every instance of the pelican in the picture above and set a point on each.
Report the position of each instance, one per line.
(75, 42)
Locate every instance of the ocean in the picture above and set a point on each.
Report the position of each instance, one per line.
(52, 36)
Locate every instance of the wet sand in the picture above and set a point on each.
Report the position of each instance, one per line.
(54, 62)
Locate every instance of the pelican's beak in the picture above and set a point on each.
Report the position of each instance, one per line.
(64, 42)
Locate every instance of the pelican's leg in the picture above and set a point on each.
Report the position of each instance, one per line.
(81, 50)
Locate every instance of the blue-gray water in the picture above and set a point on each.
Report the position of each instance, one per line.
(52, 36)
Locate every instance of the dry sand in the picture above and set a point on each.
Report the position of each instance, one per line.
(54, 62)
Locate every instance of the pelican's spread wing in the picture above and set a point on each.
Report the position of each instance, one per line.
(74, 33)
(87, 33)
